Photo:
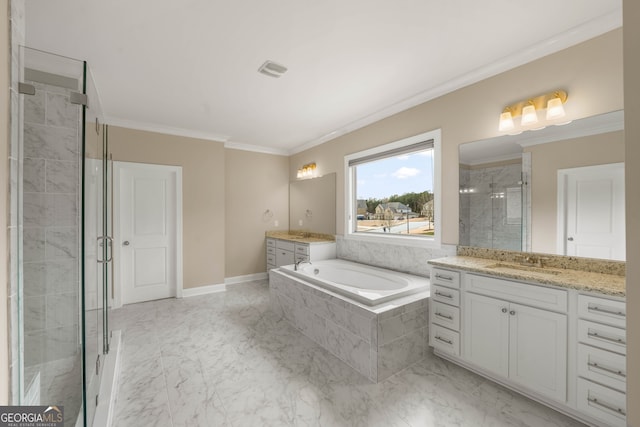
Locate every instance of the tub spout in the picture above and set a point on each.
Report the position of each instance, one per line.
(300, 261)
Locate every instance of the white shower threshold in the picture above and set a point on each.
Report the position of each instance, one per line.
(109, 384)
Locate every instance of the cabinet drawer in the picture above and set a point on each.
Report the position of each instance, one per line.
(602, 336)
(287, 246)
(271, 243)
(445, 315)
(444, 339)
(445, 295)
(271, 259)
(602, 310)
(602, 366)
(302, 249)
(445, 278)
(271, 250)
(521, 293)
(602, 403)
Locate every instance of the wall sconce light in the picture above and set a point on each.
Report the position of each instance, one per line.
(307, 171)
(528, 109)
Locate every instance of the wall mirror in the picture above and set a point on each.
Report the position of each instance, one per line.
(559, 190)
(312, 205)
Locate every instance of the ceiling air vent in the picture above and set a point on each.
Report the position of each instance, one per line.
(271, 69)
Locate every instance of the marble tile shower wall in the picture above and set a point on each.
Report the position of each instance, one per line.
(406, 259)
(17, 35)
(51, 149)
(485, 218)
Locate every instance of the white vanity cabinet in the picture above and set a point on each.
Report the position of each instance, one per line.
(285, 252)
(528, 345)
(560, 346)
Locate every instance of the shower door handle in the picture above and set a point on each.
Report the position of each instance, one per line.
(99, 245)
(109, 249)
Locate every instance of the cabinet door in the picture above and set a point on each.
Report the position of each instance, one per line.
(486, 333)
(538, 350)
(284, 257)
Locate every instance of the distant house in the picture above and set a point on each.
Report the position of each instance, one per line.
(361, 209)
(391, 210)
(427, 210)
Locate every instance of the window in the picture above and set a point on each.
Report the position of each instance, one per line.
(393, 191)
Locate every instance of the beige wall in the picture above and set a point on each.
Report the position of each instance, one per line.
(254, 183)
(546, 159)
(591, 73)
(4, 161)
(203, 194)
(632, 145)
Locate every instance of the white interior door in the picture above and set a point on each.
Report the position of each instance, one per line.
(591, 211)
(148, 227)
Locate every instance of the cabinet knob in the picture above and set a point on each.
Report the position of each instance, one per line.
(512, 312)
(504, 310)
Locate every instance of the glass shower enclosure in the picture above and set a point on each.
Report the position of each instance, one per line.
(492, 206)
(64, 248)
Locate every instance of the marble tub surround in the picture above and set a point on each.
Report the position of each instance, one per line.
(300, 236)
(226, 359)
(376, 341)
(607, 284)
(406, 259)
(616, 268)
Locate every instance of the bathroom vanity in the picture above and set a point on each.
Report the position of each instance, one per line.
(553, 333)
(286, 248)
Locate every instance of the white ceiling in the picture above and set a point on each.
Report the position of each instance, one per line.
(190, 67)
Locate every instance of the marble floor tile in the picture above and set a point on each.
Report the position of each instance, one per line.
(226, 359)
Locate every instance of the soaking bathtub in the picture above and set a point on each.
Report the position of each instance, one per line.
(374, 320)
(363, 283)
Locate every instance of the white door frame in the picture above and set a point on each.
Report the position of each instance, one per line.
(118, 166)
(563, 174)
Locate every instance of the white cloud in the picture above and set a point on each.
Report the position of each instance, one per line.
(426, 153)
(403, 157)
(405, 172)
(361, 182)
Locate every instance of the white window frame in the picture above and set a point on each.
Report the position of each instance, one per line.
(398, 239)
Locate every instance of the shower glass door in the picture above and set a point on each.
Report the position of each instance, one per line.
(97, 247)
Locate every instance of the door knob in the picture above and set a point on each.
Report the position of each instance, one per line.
(570, 239)
(125, 243)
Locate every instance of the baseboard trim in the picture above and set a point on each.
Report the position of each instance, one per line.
(203, 290)
(212, 289)
(245, 278)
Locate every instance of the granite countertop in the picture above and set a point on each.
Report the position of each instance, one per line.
(300, 236)
(607, 284)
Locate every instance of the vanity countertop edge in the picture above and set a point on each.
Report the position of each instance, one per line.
(300, 237)
(606, 284)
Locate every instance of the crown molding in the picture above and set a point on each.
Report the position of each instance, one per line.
(168, 130)
(574, 36)
(255, 148)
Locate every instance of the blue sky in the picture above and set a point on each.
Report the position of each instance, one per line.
(396, 175)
